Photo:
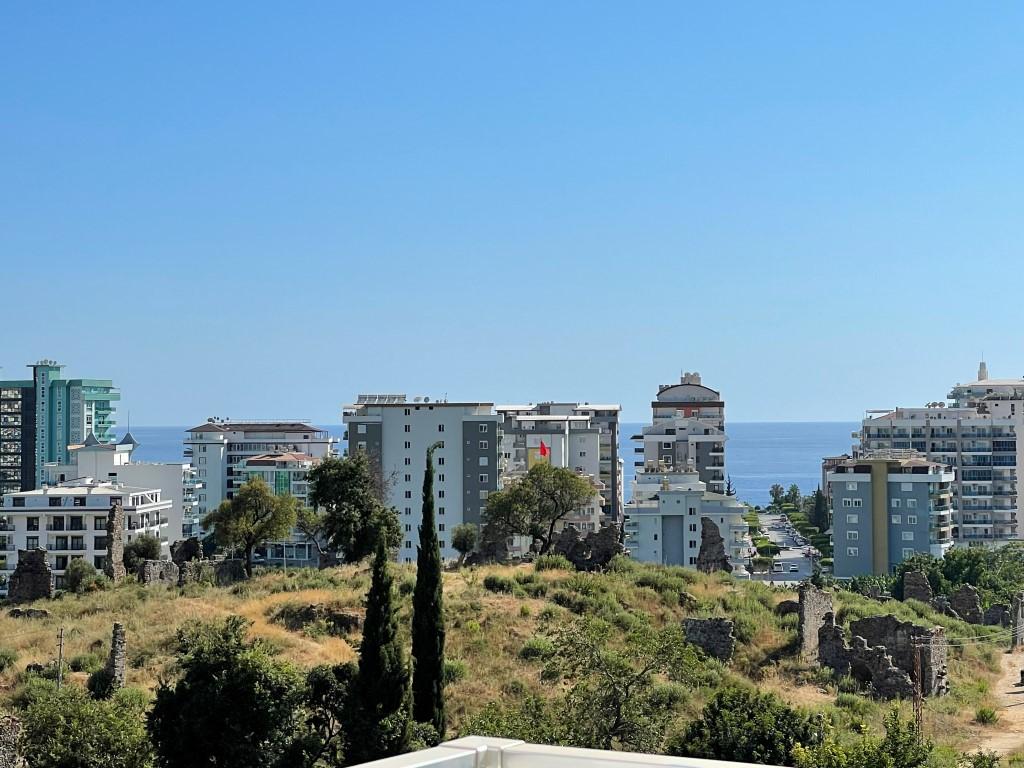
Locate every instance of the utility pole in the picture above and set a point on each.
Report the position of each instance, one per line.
(60, 657)
(918, 697)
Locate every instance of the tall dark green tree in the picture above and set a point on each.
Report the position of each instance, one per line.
(819, 512)
(381, 722)
(428, 616)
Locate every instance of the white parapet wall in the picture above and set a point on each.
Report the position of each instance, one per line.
(480, 752)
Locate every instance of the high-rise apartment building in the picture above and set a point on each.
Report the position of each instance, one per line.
(42, 416)
(286, 473)
(219, 451)
(977, 436)
(687, 432)
(888, 506)
(396, 433)
(579, 436)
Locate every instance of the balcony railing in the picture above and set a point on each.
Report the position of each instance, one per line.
(478, 752)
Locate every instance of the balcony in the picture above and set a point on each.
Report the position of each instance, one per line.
(480, 752)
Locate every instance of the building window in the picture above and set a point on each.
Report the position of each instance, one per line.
(484, 461)
(408, 428)
(908, 553)
(907, 486)
(361, 429)
(484, 478)
(896, 519)
(31, 542)
(655, 537)
(440, 494)
(408, 412)
(408, 494)
(692, 511)
(911, 519)
(852, 535)
(408, 527)
(54, 501)
(851, 486)
(80, 501)
(408, 461)
(692, 544)
(482, 427)
(852, 519)
(408, 545)
(483, 445)
(440, 510)
(408, 478)
(847, 502)
(408, 510)
(483, 494)
(858, 502)
(895, 503)
(852, 551)
(440, 544)
(99, 523)
(440, 427)
(440, 527)
(31, 523)
(693, 527)
(908, 536)
(408, 445)
(440, 460)
(911, 503)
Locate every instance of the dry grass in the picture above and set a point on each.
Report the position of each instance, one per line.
(487, 630)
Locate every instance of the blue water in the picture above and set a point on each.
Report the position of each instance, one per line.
(758, 454)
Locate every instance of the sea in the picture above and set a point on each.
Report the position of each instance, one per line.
(757, 454)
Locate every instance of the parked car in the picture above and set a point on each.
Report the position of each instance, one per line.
(777, 567)
(794, 569)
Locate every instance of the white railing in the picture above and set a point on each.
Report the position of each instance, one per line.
(479, 752)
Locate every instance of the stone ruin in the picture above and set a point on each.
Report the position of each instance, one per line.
(882, 653)
(917, 587)
(1017, 621)
(28, 613)
(116, 661)
(10, 735)
(32, 578)
(814, 605)
(712, 556)
(967, 603)
(335, 618)
(158, 572)
(786, 607)
(187, 549)
(591, 552)
(964, 604)
(220, 573)
(713, 636)
(114, 566)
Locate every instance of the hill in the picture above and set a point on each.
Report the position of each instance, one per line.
(494, 612)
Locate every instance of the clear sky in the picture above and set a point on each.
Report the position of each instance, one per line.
(261, 210)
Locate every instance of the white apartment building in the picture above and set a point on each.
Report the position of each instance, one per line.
(687, 430)
(567, 440)
(113, 463)
(396, 433)
(219, 450)
(593, 423)
(663, 521)
(69, 521)
(977, 436)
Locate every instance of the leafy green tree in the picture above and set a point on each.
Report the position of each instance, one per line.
(532, 719)
(380, 722)
(819, 511)
(348, 508)
(143, 547)
(778, 494)
(535, 504)
(428, 615)
(327, 702)
(748, 727)
(464, 538)
(82, 576)
(253, 516)
(902, 747)
(730, 490)
(234, 706)
(793, 495)
(67, 729)
(611, 701)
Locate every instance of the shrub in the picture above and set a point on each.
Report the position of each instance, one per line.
(144, 547)
(540, 589)
(622, 564)
(527, 577)
(85, 662)
(660, 581)
(82, 576)
(537, 648)
(524, 611)
(454, 670)
(406, 586)
(986, 716)
(501, 584)
(101, 684)
(7, 658)
(553, 563)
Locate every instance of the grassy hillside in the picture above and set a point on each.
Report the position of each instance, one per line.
(493, 613)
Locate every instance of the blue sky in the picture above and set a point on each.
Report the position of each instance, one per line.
(262, 210)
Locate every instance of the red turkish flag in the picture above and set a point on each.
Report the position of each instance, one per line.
(544, 450)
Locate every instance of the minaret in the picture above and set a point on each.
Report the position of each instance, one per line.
(982, 371)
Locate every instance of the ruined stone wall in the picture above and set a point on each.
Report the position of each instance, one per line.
(196, 571)
(1017, 621)
(114, 567)
(712, 556)
(158, 572)
(917, 587)
(815, 604)
(713, 636)
(32, 578)
(117, 660)
(591, 552)
(966, 601)
(899, 639)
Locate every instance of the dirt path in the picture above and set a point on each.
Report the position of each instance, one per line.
(1007, 735)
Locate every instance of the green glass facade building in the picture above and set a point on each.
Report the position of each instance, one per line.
(41, 416)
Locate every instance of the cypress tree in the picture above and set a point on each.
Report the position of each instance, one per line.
(381, 720)
(428, 616)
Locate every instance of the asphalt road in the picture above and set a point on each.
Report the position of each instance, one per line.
(792, 554)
